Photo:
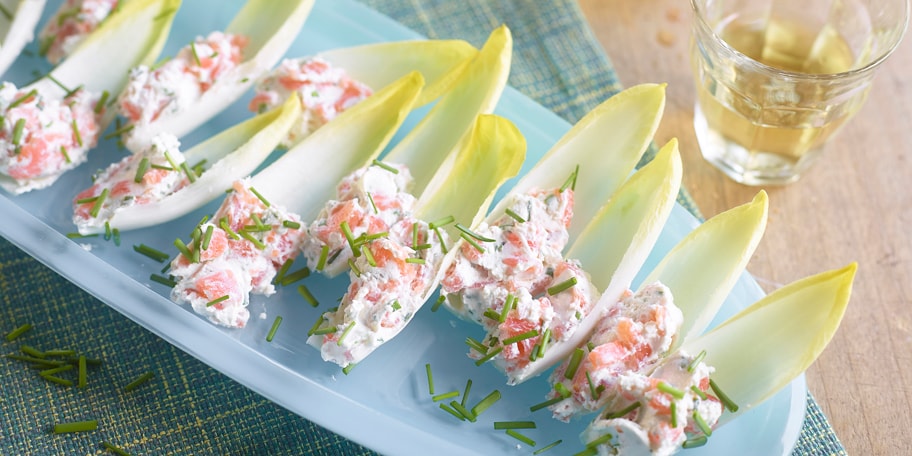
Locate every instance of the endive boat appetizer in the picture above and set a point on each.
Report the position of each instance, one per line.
(335, 80)
(159, 183)
(49, 126)
(734, 367)
(211, 72)
(676, 301)
(258, 227)
(18, 20)
(73, 21)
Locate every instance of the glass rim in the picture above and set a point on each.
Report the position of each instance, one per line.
(872, 64)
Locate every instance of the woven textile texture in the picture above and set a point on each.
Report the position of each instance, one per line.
(189, 408)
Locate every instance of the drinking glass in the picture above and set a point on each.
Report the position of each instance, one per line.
(776, 79)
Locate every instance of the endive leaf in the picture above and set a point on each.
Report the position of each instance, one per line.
(613, 246)
(427, 147)
(271, 27)
(234, 154)
(441, 62)
(606, 144)
(765, 346)
(703, 268)
(306, 176)
(18, 31)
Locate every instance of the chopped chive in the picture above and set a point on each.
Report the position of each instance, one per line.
(520, 437)
(348, 368)
(421, 247)
(415, 260)
(442, 222)
(543, 343)
(500, 425)
(438, 303)
(695, 442)
(207, 237)
(673, 409)
(369, 256)
(463, 411)
(75, 426)
(373, 205)
(96, 207)
(521, 337)
(256, 242)
(354, 267)
(168, 282)
(575, 361)
(195, 55)
(698, 392)
(562, 390)
(593, 391)
(260, 197)
(32, 351)
(90, 199)
(38, 361)
(295, 276)
(545, 404)
(56, 370)
(623, 412)
(274, 328)
(547, 447)
(323, 331)
(723, 398)
(139, 381)
(396, 305)
(308, 296)
(385, 166)
(191, 176)
(471, 241)
(571, 180)
(507, 307)
(696, 361)
(282, 270)
(488, 356)
(473, 234)
(345, 333)
(563, 286)
(110, 447)
(599, 441)
(174, 166)
(22, 99)
(218, 300)
(66, 156)
(453, 412)
(115, 234)
(324, 253)
(17, 131)
(80, 236)
(476, 345)
(101, 102)
(701, 423)
(89, 361)
(465, 394)
(291, 224)
(443, 246)
(107, 230)
(514, 215)
(493, 315)
(161, 167)
(444, 396)
(486, 403)
(60, 84)
(57, 352)
(185, 251)
(81, 383)
(669, 389)
(154, 254)
(430, 378)
(346, 231)
(76, 132)
(57, 380)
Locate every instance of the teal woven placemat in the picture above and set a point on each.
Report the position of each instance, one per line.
(189, 408)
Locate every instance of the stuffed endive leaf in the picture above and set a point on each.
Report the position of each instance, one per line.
(56, 120)
(17, 28)
(159, 183)
(258, 227)
(753, 355)
(677, 299)
(210, 73)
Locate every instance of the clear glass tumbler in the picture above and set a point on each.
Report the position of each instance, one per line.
(776, 79)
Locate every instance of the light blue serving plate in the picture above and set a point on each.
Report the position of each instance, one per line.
(383, 403)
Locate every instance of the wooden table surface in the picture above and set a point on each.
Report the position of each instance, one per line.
(854, 205)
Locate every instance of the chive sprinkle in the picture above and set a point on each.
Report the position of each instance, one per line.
(723, 398)
(493, 315)
(563, 286)
(453, 412)
(698, 392)
(520, 437)
(673, 409)
(218, 300)
(476, 345)
(695, 442)
(442, 222)
(385, 166)
(575, 361)
(696, 361)
(139, 381)
(256, 242)
(599, 441)
(368, 256)
(473, 234)
(195, 55)
(324, 253)
(488, 356)
(76, 132)
(345, 333)
(346, 231)
(465, 394)
(701, 423)
(500, 425)
(547, 447)
(274, 328)
(99, 202)
(669, 389)
(38, 361)
(471, 241)
(141, 170)
(57, 380)
(168, 282)
(486, 403)
(207, 237)
(32, 351)
(56, 370)
(463, 411)
(14, 334)
(185, 251)
(110, 447)
(81, 383)
(438, 303)
(101, 102)
(562, 390)
(623, 412)
(430, 378)
(191, 176)
(507, 307)
(295, 276)
(514, 215)
(396, 305)
(260, 197)
(348, 368)
(17, 131)
(75, 426)
(57, 352)
(373, 205)
(354, 267)
(308, 296)
(150, 252)
(545, 404)
(521, 337)
(571, 180)
(291, 224)
(543, 343)
(445, 396)
(115, 234)
(223, 224)
(443, 246)
(22, 99)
